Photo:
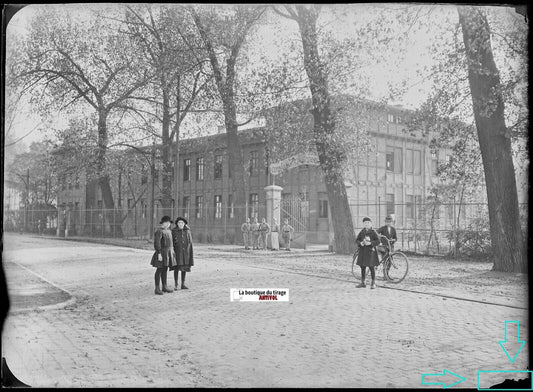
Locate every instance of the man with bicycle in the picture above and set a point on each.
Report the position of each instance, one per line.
(388, 233)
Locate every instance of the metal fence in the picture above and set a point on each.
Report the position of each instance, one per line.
(422, 228)
(436, 229)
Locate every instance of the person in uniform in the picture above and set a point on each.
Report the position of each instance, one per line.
(164, 256)
(286, 234)
(255, 234)
(264, 229)
(390, 233)
(274, 230)
(182, 240)
(367, 240)
(246, 228)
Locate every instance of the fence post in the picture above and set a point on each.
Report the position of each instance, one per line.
(114, 222)
(415, 212)
(226, 212)
(379, 209)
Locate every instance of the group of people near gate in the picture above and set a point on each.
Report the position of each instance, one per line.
(173, 252)
(174, 248)
(370, 244)
(255, 234)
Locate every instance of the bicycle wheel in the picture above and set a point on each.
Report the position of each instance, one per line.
(356, 271)
(396, 267)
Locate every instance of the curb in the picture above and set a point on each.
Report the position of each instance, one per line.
(59, 305)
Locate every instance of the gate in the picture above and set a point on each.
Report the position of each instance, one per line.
(296, 211)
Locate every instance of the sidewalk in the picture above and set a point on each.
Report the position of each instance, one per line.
(32, 292)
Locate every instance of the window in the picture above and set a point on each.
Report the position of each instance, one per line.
(199, 169)
(409, 161)
(390, 118)
(254, 162)
(322, 208)
(144, 209)
(399, 119)
(409, 210)
(231, 211)
(254, 205)
(199, 206)
(218, 166)
(389, 160)
(434, 164)
(186, 206)
(218, 206)
(393, 161)
(186, 170)
(417, 163)
(389, 197)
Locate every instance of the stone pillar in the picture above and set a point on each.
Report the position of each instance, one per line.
(273, 206)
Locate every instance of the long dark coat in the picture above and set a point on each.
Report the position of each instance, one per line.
(182, 240)
(384, 230)
(163, 246)
(368, 255)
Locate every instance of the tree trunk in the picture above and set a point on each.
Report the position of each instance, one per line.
(330, 154)
(235, 159)
(166, 197)
(103, 177)
(494, 141)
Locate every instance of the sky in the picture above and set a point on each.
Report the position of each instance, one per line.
(270, 39)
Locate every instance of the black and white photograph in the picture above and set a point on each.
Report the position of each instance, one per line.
(265, 195)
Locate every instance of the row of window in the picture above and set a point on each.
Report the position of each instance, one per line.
(413, 161)
(253, 167)
(69, 183)
(394, 119)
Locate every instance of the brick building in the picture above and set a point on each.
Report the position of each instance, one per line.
(391, 179)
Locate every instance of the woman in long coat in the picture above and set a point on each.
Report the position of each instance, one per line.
(164, 256)
(367, 240)
(182, 239)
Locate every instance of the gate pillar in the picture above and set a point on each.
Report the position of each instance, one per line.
(273, 201)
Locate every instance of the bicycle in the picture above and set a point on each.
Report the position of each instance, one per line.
(395, 265)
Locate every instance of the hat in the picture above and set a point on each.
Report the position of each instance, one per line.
(179, 218)
(388, 218)
(166, 218)
(367, 219)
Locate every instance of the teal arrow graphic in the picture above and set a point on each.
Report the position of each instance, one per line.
(512, 345)
(444, 373)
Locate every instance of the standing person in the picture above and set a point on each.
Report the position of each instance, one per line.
(255, 234)
(390, 233)
(274, 234)
(367, 240)
(286, 234)
(246, 229)
(264, 229)
(164, 256)
(182, 239)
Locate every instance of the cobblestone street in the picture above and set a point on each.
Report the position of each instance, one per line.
(117, 333)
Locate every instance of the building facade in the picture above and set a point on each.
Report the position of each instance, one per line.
(391, 179)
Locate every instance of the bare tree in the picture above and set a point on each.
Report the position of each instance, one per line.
(69, 61)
